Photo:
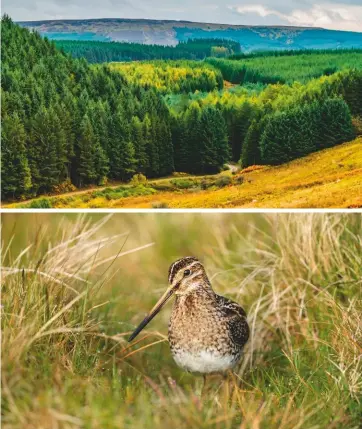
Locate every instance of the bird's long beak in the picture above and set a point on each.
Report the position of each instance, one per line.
(155, 310)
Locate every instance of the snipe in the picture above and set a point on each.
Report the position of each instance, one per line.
(206, 332)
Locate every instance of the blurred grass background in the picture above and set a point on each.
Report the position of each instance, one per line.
(74, 286)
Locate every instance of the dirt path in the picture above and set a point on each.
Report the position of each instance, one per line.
(112, 185)
(233, 168)
(66, 194)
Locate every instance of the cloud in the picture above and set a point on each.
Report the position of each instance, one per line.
(333, 14)
(329, 15)
(32, 10)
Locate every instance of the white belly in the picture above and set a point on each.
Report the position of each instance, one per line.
(204, 361)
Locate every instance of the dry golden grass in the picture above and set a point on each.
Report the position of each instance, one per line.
(74, 287)
(330, 178)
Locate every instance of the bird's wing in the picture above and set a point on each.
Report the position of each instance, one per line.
(239, 328)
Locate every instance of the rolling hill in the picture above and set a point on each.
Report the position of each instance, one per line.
(162, 32)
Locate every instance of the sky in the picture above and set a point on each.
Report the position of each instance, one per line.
(332, 14)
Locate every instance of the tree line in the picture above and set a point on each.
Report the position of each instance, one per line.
(192, 49)
(293, 53)
(286, 67)
(280, 123)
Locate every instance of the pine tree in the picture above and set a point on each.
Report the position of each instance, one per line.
(165, 150)
(151, 147)
(16, 177)
(86, 170)
(214, 142)
(121, 152)
(251, 148)
(179, 143)
(336, 123)
(98, 115)
(64, 113)
(238, 119)
(275, 145)
(101, 163)
(190, 153)
(43, 150)
(141, 160)
(300, 130)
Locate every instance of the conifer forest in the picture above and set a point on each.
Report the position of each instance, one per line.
(84, 113)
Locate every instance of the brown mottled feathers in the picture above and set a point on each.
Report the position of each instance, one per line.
(238, 326)
(207, 332)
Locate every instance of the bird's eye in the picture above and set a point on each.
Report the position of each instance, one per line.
(187, 273)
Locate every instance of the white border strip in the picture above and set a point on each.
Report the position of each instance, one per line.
(175, 211)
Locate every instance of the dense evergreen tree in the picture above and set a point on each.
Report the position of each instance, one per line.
(190, 155)
(335, 123)
(86, 153)
(352, 92)
(165, 149)
(47, 150)
(150, 146)
(192, 49)
(296, 132)
(180, 146)
(215, 148)
(16, 177)
(77, 121)
(119, 137)
(251, 150)
(238, 119)
(139, 145)
(276, 67)
(200, 140)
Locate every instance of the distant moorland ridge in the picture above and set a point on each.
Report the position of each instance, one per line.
(164, 32)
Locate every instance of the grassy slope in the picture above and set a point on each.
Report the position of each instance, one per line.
(329, 178)
(68, 303)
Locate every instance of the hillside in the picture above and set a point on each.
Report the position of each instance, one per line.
(329, 178)
(68, 124)
(63, 121)
(161, 32)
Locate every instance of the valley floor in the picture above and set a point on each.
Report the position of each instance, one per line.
(331, 178)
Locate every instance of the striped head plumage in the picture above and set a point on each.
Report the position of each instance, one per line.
(186, 275)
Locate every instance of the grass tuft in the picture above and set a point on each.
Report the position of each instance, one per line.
(74, 288)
